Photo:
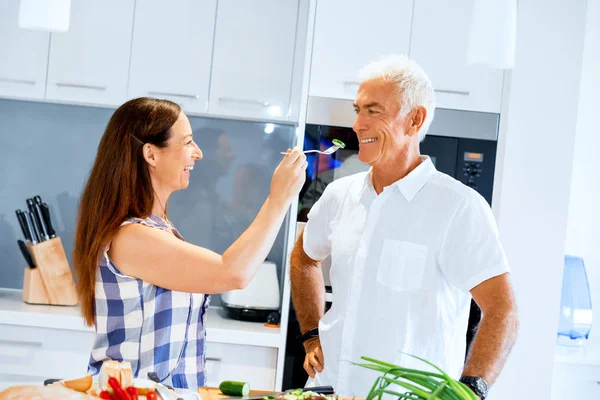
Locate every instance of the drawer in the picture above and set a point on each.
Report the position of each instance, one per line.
(32, 354)
(253, 364)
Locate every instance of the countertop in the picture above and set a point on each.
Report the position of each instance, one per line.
(219, 329)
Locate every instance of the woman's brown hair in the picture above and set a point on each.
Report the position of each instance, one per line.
(119, 186)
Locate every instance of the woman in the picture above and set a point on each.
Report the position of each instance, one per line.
(143, 287)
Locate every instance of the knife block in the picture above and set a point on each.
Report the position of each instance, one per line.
(51, 281)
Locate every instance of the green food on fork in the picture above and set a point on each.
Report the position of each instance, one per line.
(337, 144)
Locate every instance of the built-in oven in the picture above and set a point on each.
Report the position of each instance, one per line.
(461, 144)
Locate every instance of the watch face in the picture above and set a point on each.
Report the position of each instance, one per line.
(481, 386)
(478, 385)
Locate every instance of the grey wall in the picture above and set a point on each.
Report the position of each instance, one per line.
(48, 149)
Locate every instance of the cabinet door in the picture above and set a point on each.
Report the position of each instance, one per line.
(90, 62)
(576, 381)
(253, 58)
(253, 364)
(349, 34)
(171, 51)
(440, 38)
(29, 355)
(24, 56)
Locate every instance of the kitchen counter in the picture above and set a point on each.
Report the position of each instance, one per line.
(220, 328)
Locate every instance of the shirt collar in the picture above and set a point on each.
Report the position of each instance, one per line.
(412, 183)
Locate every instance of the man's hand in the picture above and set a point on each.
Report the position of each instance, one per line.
(314, 357)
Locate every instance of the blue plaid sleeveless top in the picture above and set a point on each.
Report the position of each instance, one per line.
(155, 329)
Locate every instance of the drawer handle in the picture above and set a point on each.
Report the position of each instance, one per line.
(14, 348)
(213, 359)
(22, 81)
(459, 92)
(255, 102)
(357, 83)
(80, 86)
(11, 343)
(185, 96)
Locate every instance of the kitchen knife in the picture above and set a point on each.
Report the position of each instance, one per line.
(23, 224)
(26, 254)
(37, 200)
(30, 227)
(37, 219)
(48, 220)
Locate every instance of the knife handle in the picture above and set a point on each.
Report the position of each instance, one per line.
(48, 220)
(321, 389)
(26, 254)
(40, 219)
(23, 224)
(30, 227)
(35, 222)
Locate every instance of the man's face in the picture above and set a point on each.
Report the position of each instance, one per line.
(381, 134)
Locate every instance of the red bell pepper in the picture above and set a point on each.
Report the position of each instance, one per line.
(105, 395)
(118, 392)
(132, 392)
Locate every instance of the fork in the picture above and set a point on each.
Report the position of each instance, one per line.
(337, 144)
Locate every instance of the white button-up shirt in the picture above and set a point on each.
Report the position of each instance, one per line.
(402, 266)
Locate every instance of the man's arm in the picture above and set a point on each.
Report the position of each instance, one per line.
(497, 330)
(308, 297)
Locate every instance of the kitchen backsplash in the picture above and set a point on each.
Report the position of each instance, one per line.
(48, 150)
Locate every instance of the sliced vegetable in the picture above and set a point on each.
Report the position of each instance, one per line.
(105, 395)
(118, 392)
(151, 396)
(132, 392)
(339, 143)
(234, 388)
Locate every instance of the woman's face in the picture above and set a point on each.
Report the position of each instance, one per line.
(174, 163)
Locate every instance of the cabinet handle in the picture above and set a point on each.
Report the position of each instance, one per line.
(80, 86)
(244, 101)
(461, 93)
(23, 81)
(187, 96)
(213, 359)
(357, 83)
(15, 348)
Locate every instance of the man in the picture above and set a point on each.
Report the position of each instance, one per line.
(409, 247)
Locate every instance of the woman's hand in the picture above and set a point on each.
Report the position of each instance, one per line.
(289, 177)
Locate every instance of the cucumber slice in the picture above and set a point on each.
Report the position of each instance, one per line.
(233, 388)
(339, 143)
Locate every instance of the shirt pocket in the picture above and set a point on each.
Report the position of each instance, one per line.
(402, 265)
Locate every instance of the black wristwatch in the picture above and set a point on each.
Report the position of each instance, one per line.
(477, 385)
(312, 333)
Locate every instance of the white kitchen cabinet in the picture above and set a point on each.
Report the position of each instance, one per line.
(171, 51)
(349, 34)
(440, 38)
(253, 58)
(575, 381)
(30, 355)
(24, 55)
(253, 364)
(89, 64)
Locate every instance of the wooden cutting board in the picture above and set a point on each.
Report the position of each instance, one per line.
(209, 393)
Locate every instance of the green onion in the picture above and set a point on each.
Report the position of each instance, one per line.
(418, 384)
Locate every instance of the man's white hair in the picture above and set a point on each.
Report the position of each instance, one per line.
(412, 84)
